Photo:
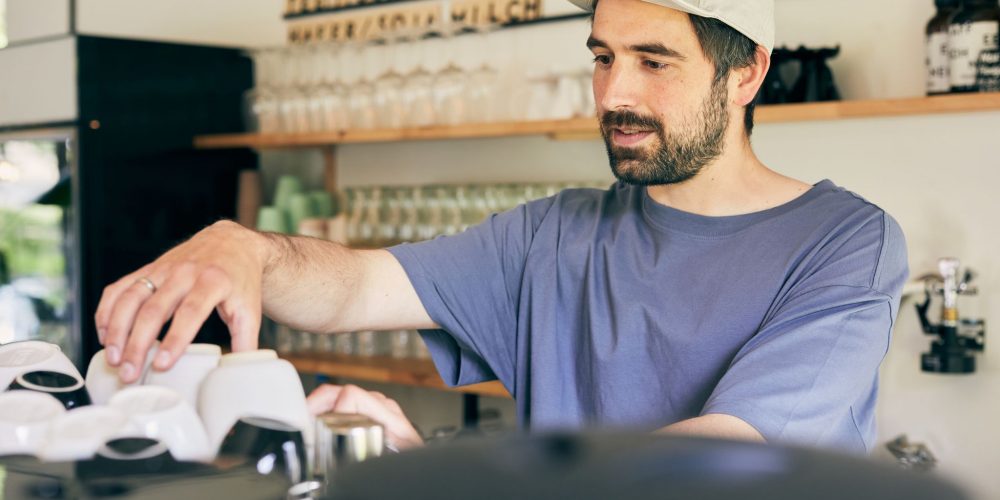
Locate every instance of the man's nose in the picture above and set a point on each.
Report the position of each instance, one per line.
(620, 88)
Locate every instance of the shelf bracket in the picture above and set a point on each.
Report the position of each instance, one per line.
(330, 169)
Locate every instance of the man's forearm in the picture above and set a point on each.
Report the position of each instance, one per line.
(308, 283)
(715, 425)
(324, 287)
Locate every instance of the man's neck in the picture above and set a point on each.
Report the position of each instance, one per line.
(735, 183)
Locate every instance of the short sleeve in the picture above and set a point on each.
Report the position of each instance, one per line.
(809, 375)
(469, 284)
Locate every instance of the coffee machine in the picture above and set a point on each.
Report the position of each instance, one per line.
(953, 351)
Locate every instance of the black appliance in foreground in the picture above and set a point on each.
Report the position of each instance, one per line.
(630, 466)
(572, 466)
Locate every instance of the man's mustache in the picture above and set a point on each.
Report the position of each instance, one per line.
(629, 119)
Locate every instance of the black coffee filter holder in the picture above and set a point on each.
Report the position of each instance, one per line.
(808, 68)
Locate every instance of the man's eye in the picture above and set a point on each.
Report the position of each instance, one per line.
(602, 59)
(654, 65)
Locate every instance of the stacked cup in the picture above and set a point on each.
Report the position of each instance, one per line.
(41, 384)
(205, 402)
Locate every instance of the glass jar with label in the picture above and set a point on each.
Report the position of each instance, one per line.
(973, 30)
(938, 64)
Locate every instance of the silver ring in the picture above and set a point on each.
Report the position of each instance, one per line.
(146, 282)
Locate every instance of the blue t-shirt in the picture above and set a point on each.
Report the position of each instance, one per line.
(608, 309)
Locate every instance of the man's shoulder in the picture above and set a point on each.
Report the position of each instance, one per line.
(843, 199)
(859, 234)
(847, 214)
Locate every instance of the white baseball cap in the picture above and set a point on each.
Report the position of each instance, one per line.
(753, 18)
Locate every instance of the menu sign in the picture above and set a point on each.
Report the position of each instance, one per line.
(343, 20)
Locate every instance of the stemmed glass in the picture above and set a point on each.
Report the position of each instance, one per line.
(417, 98)
(388, 86)
(361, 95)
(313, 85)
(483, 78)
(449, 81)
(293, 107)
(332, 93)
(260, 104)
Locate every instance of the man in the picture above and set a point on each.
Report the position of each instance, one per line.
(704, 293)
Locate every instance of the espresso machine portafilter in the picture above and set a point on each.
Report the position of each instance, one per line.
(953, 351)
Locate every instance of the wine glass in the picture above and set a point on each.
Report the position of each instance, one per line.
(360, 101)
(483, 78)
(387, 85)
(450, 80)
(417, 97)
(332, 93)
(260, 104)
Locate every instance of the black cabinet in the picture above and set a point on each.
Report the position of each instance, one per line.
(142, 187)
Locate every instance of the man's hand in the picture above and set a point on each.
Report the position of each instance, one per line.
(219, 268)
(374, 405)
(304, 283)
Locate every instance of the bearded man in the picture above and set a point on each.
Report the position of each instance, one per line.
(703, 293)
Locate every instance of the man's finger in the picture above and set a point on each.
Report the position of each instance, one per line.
(398, 429)
(151, 317)
(123, 315)
(102, 317)
(190, 315)
(243, 321)
(353, 399)
(322, 399)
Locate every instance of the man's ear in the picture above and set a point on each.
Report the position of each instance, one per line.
(748, 80)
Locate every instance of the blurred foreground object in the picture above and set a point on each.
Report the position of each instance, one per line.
(630, 466)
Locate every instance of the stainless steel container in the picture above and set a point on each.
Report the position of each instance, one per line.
(344, 438)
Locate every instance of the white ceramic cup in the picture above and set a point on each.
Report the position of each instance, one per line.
(79, 433)
(32, 355)
(161, 413)
(102, 378)
(24, 421)
(188, 372)
(252, 384)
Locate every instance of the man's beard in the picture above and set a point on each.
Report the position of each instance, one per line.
(679, 156)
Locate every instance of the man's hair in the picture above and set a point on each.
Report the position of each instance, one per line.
(726, 48)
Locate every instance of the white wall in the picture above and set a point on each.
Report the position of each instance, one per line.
(241, 23)
(33, 19)
(38, 83)
(936, 174)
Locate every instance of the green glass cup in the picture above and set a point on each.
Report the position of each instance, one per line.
(300, 206)
(288, 185)
(322, 203)
(272, 219)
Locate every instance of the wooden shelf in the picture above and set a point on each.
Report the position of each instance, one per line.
(414, 372)
(586, 128)
(552, 128)
(884, 108)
